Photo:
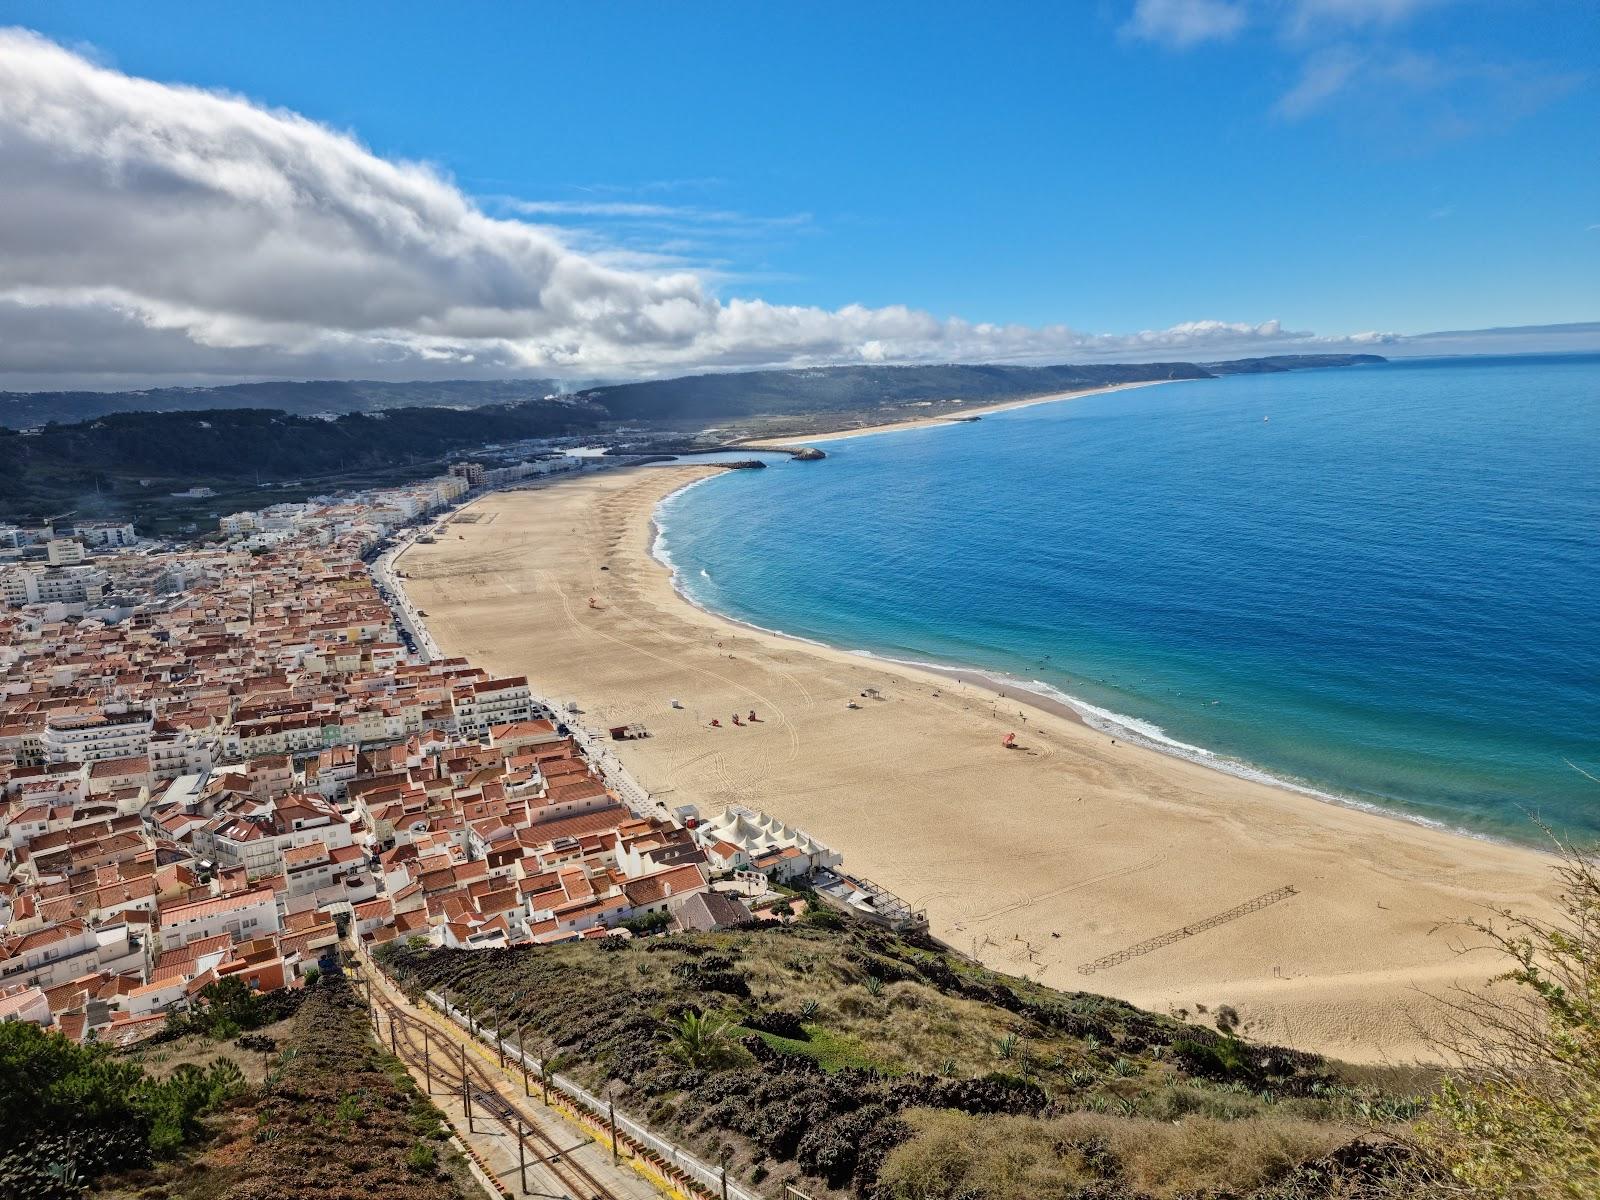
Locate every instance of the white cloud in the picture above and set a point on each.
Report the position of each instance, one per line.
(1423, 97)
(1322, 77)
(154, 232)
(1306, 14)
(670, 214)
(1184, 23)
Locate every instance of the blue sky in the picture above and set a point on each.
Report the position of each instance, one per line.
(1336, 165)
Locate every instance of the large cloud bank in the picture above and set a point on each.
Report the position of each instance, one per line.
(162, 233)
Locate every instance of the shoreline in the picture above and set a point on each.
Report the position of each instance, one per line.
(1067, 707)
(1039, 861)
(952, 417)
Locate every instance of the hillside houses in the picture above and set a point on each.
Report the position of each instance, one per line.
(245, 765)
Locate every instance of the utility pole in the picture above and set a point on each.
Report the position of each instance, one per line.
(611, 1112)
(394, 1036)
(522, 1157)
(427, 1061)
(522, 1053)
(466, 1092)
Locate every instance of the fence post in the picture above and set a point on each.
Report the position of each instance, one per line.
(522, 1053)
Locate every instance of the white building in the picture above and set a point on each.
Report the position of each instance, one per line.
(242, 915)
(64, 552)
(66, 950)
(108, 533)
(53, 585)
(743, 838)
(90, 738)
(493, 702)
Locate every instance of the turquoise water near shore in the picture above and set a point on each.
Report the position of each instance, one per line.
(1379, 583)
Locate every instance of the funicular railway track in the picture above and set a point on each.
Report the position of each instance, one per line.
(443, 1062)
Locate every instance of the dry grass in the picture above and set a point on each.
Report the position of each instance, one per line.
(161, 1059)
(908, 1025)
(1026, 1158)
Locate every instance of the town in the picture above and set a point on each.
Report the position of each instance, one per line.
(224, 761)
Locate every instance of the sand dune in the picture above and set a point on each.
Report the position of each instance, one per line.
(1037, 860)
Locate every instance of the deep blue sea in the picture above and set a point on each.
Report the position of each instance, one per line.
(1380, 582)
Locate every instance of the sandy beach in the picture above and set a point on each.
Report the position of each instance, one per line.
(1038, 860)
(945, 414)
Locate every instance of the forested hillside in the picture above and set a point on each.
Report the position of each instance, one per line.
(24, 410)
(694, 397)
(126, 463)
(831, 389)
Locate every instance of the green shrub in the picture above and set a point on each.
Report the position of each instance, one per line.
(648, 924)
(422, 1158)
(822, 918)
(1521, 1119)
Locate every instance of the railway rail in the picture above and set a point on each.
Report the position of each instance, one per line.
(409, 1042)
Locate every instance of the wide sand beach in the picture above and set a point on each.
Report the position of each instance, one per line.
(1039, 859)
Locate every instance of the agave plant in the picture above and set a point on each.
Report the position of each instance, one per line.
(1006, 1047)
(700, 1039)
(874, 985)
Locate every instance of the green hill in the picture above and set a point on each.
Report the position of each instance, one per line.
(315, 397)
(694, 397)
(854, 1063)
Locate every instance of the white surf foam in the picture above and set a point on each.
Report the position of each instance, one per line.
(1114, 724)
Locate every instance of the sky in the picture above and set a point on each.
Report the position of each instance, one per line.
(615, 190)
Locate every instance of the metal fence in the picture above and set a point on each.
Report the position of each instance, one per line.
(710, 1177)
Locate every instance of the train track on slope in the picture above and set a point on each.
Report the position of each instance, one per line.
(408, 1041)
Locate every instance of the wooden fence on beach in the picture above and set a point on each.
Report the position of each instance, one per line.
(1177, 935)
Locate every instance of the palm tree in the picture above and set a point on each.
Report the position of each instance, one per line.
(699, 1039)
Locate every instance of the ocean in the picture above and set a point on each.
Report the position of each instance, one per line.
(1377, 583)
